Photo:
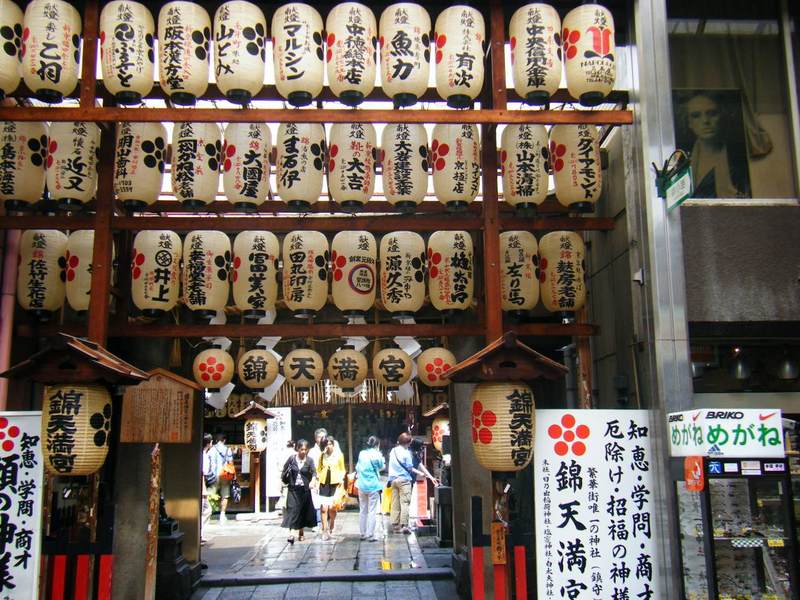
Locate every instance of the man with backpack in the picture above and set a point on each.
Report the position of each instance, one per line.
(221, 458)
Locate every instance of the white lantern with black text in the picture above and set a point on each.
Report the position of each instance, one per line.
(41, 273)
(73, 152)
(352, 40)
(405, 48)
(299, 162)
(524, 163)
(402, 273)
(23, 145)
(433, 365)
(588, 40)
(141, 153)
(535, 38)
(305, 272)
(127, 53)
(196, 158)
(78, 268)
(519, 271)
(562, 271)
(245, 164)
(298, 56)
(456, 161)
(206, 271)
(302, 368)
(353, 260)
(257, 369)
(351, 167)
(347, 368)
(391, 367)
(213, 368)
(184, 35)
(450, 270)
(255, 272)
(459, 39)
(503, 425)
(255, 434)
(156, 271)
(240, 54)
(404, 154)
(575, 161)
(11, 39)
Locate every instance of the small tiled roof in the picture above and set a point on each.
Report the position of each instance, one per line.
(254, 411)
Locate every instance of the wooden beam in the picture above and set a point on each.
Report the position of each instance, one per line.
(88, 83)
(553, 329)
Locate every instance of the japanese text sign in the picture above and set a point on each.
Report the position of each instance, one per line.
(595, 524)
(734, 433)
(279, 431)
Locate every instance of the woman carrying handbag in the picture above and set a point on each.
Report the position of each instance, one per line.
(299, 475)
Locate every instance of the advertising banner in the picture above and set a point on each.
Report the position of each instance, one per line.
(731, 433)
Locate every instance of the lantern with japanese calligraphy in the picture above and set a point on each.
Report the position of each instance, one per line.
(196, 158)
(255, 272)
(439, 428)
(459, 39)
(213, 368)
(562, 271)
(41, 274)
(353, 260)
(155, 271)
(73, 152)
(255, 435)
(575, 161)
(245, 164)
(206, 270)
(302, 368)
(404, 152)
(240, 54)
(588, 40)
(78, 268)
(402, 258)
(450, 270)
(405, 48)
(11, 38)
(456, 162)
(51, 39)
(305, 272)
(23, 145)
(141, 153)
(297, 52)
(127, 53)
(257, 368)
(352, 40)
(184, 35)
(76, 422)
(519, 271)
(347, 368)
(535, 32)
(391, 367)
(433, 365)
(351, 164)
(524, 163)
(300, 157)
(503, 424)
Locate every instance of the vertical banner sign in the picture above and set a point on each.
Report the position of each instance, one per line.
(279, 431)
(21, 480)
(594, 494)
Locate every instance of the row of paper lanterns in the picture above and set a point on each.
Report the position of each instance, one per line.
(64, 157)
(302, 50)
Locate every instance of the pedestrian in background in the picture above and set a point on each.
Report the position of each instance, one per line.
(300, 475)
(368, 479)
(402, 475)
(330, 473)
(220, 455)
(209, 477)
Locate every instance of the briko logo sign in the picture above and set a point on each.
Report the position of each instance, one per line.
(739, 433)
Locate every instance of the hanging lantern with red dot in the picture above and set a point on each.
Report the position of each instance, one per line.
(41, 273)
(127, 53)
(588, 40)
(503, 425)
(257, 369)
(11, 31)
(347, 368)
(391, 367)
(72, 143)
(156, 271)
(196, 159)
(141, 154)
(206, 272)
(351, 74)
(404, 158)
(562, 271)
(439, 429)
(402, 273)
(524, 165)
(575, 160)
(351, 164)
(213, 368)
(450, 271)
(433, 365)
(459, 39)
(353, 260)
(255, 272)
(456, 161)
(245, 164)
(78, 259)
(405, 48)
(519, 272)
(305, 272)
(302, 368)
(299, 60)
(184, 36)
(24, 144)
(299, 163)
(240, 51)
(535, 32)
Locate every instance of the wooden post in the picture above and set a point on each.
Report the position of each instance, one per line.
(255, 480)
(88, 84)
(584, 351)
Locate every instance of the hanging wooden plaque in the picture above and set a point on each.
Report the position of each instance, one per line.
(158, 410)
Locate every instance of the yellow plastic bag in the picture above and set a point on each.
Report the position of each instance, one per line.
(386, 501)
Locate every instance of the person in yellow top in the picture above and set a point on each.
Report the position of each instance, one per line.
(330, 473)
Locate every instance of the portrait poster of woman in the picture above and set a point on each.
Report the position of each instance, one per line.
(709, 126)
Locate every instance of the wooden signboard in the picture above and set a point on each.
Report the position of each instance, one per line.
(158, 410)
(499, 533)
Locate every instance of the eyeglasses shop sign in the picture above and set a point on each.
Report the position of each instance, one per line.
(742, 433)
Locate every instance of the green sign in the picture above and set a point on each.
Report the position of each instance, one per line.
(678, 188)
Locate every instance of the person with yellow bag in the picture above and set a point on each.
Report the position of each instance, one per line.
(330, 473)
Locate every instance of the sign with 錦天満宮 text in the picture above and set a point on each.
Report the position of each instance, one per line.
(157, 410)
(731, 433)
(594, 503)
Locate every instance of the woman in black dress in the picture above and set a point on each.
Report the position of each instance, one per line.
(299, 475)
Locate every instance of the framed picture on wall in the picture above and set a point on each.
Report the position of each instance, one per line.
(709, 126)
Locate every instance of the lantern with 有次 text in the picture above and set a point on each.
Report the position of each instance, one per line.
(519, 271)
(41, 273)
(299, 59)
(405, 48)
(196, 158)
(299, 162)
(404, 154)
(257, 369)
(433, 365)
(305, 272)
(503, 425)
(255, 272)
(351, 165)
(184, 35)
(391, 367)
(455, 158)
(588, 46)
(524, 162)
(73, 152)
(213, 368)
(22, 172)
(353, 262)
(347, 368)
(575, 161)
(352, 40)
(459, 39)
(535, 37)
(302, 368)
(156, 271)
(11, 38)
(206, 271)
(141, 153)
(245, 164)
(240, 50)
(127, 52)
(402, 273)
(562, 271)
(450, 270)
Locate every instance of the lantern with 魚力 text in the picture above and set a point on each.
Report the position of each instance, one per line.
(196, 158)
(519, 271)
(455, 158)
(22, 171)
(391, 367)
(450, 270)
(405, 48)
(523, 162)
(240, 54)
(459, 39)
(299, 161)
(402, 273)
(156, 271)
(535, 37)
(245, 164)
(302, 369)
(352, 39)
(404, 152)
(305, 272)
(353, 261)
(206, 270)
(11, 34)
(347, 368)
(213, 368)
(76, 422)
(351, 164)
(78, 268)
(255, 272)
(141, 153)
(257, 368)
(127, 54)
(255, 435)
(41, 275)
(298, 56)
(184, 35)
(562, 271)
(73, 151)
(588, 40)
(575, 161)
(433, 365)
(439, 428)
(503, 425)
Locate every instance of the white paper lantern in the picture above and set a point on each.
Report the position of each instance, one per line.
(524, 163)
(156, 271)
(459, 40)
(391, 367)
(503, 425)
(78, 268)
(255, 435)
(73, 152)
(404, 153)
(245, 164)
(575, 160)
(11, 39)
(240, 54)
(588, 39)
(23, 146)
(206, 271)
(351, 168)
(184, 34)
(255, 272)
(353, 258)
(257, 369)
(535, 37)
(402, 256)
(41, 272)
(562, 272)
(347, 368)
(127, 54)
(213, 368)
(352, 40)
(433, 366)
(439, 429)
(450, 270)
(196, 159)
(456, 161)
(299, 162)
(299, 59)
(405, 48)
(305, 272)
(302, 369)
(141, 152)
(50, 61)
(519, 271)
